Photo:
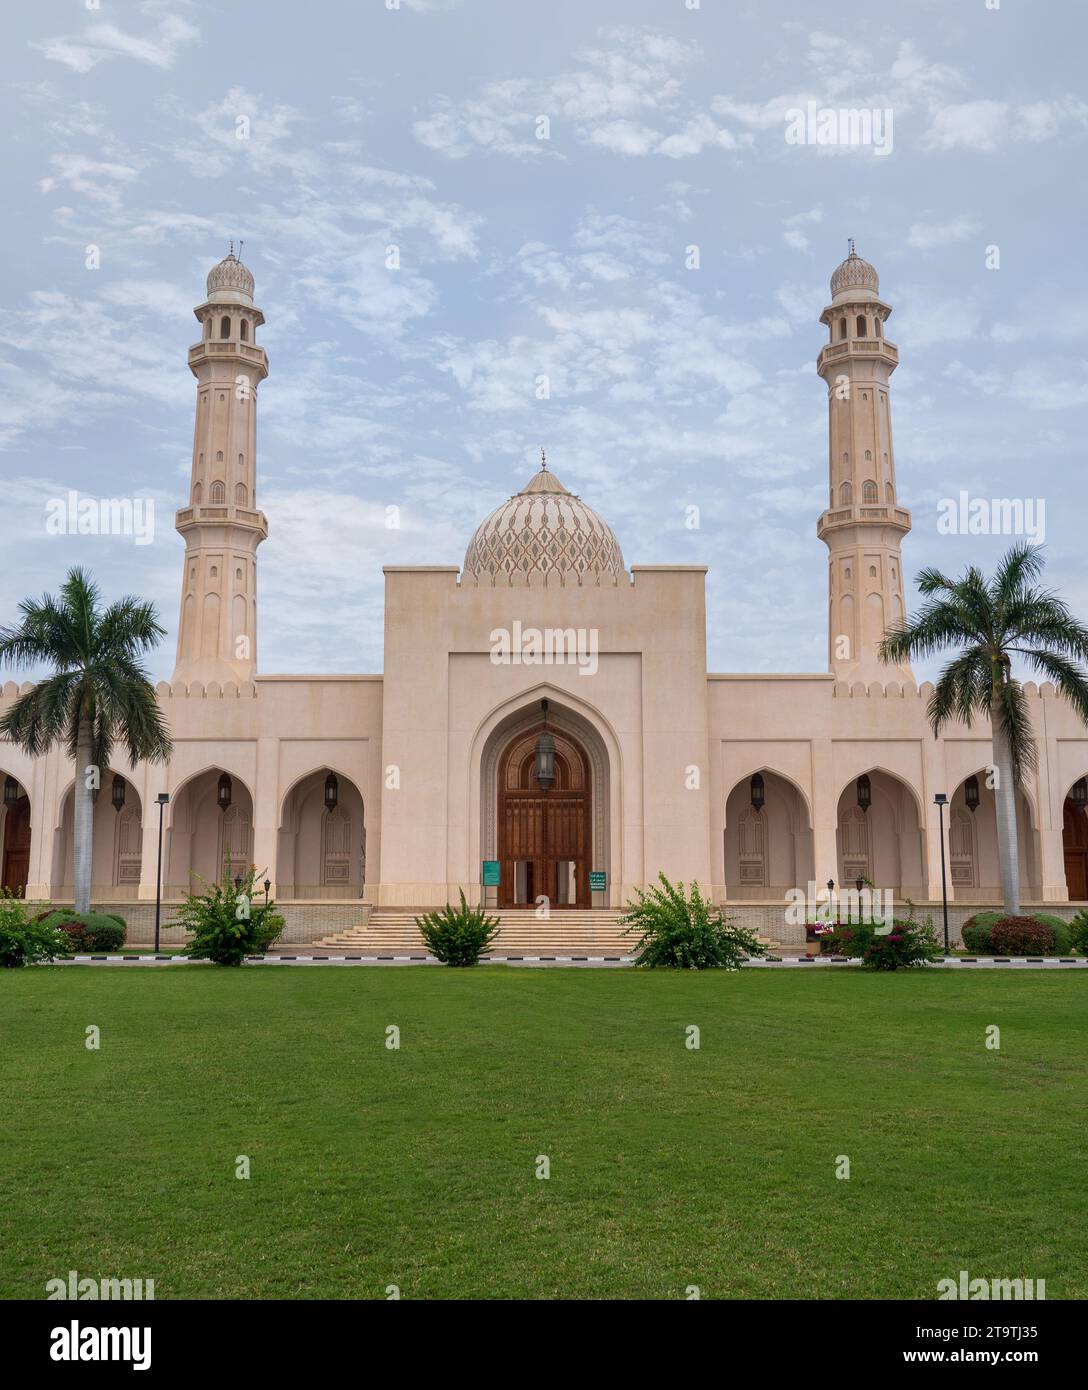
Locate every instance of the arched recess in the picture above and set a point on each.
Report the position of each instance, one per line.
(769, 850)
(15, 834)
(974, 870)
(1075, 840)
(201, 835)
(321, 849)
(117, 842)
(596, 737)
(885, 843)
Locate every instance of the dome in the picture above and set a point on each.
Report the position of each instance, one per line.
(543, 535)
(232, 276)
(855, 275)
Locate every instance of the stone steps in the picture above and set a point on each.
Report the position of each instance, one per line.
(575, 932)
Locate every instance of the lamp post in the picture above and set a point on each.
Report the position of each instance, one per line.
(267, 886)
(163, 798)
(941, 801)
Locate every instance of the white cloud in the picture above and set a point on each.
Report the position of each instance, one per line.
(924, 236)
(100, 42)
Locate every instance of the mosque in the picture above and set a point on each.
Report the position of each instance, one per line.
(545, 725)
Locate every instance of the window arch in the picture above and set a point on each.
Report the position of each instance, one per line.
(846, 494)
(224, 326)
(241, 495)
(889, 494)
(869, 492)
(217, 492)
(243, 331)
(842, 327)
(862, 326)
(198, 494)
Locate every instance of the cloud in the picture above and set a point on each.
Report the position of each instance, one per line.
(100, 42)
(924, 236)
(986, 126)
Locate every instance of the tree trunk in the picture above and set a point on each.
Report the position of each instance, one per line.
(84, 820)
(1008, 850)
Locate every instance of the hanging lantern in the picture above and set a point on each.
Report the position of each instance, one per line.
(117, 792)
(225, 792)
(865, 793)
(1079, 794)
(332, 792)
(544, 755)
(970, 794)
(758, 792)
(11, 792)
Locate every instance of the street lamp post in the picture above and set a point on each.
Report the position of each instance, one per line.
(163, 798)
(941, 801)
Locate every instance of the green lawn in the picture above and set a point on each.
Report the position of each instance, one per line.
(416, 1167)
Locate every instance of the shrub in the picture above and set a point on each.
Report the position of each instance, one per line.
(975, 932)
(907, 944)
(22, 942)
(1060, 928)
(225, 925)
(847, 939)
(87, 931)
(458, 935)
(1022, 936)
(1078, 933)
(683, 931)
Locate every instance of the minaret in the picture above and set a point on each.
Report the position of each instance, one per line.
(864, 524)
(217, 633)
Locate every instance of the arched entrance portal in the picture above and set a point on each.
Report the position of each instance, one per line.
(16, 843)
(1075, 843)
(545, 837)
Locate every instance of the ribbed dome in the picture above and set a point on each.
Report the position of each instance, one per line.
(854, 274)
(543, 535)
(230, 274)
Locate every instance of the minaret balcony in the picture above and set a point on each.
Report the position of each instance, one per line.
(863, 514)
(228, 347)
(221, 514)
(857, 348)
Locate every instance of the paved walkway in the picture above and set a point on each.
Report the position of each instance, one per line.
(770, 963)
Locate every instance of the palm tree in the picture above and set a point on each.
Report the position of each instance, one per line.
(98, 695)
(992, 621)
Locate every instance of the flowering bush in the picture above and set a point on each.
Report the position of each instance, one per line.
(907, 944)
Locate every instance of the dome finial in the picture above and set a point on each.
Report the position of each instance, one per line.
(543, 462)
(850, 243)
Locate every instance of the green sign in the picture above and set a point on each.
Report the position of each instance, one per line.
(491, 873)
(598, 881)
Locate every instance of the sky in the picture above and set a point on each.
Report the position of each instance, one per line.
(602, 195)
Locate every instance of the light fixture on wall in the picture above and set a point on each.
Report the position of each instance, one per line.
(1078, 795)
(225, 792)
(11, 792)
(332, 792)
(865, 792)
(758, 792)
(970, 794)
(544, 755)
(117, 792)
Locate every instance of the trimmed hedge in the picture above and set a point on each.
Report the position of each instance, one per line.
(86, 931)
(1022, 936)
(977, 934)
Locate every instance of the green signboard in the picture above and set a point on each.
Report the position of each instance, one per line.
(598, 881)
(491, 873)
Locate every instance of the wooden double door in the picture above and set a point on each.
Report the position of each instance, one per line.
(545, 838)
(16, 851)
(1075, 843)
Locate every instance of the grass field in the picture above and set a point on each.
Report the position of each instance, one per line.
(416, 1167)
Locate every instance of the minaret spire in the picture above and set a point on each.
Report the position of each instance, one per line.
(217, 631)
(864, 523)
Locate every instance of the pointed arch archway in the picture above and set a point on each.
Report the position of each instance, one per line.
(974, 869)
(15, 834)
(883, 843)
(1075, 840)
(117, 841)
(203, 837)
(768, 837)
(584, 725)
(321, 850)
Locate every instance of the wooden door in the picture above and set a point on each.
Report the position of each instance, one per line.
(545, 838)
(16, 864)
(1075, 841)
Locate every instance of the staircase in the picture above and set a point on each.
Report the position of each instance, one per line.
(521, 933)
(570, 933)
